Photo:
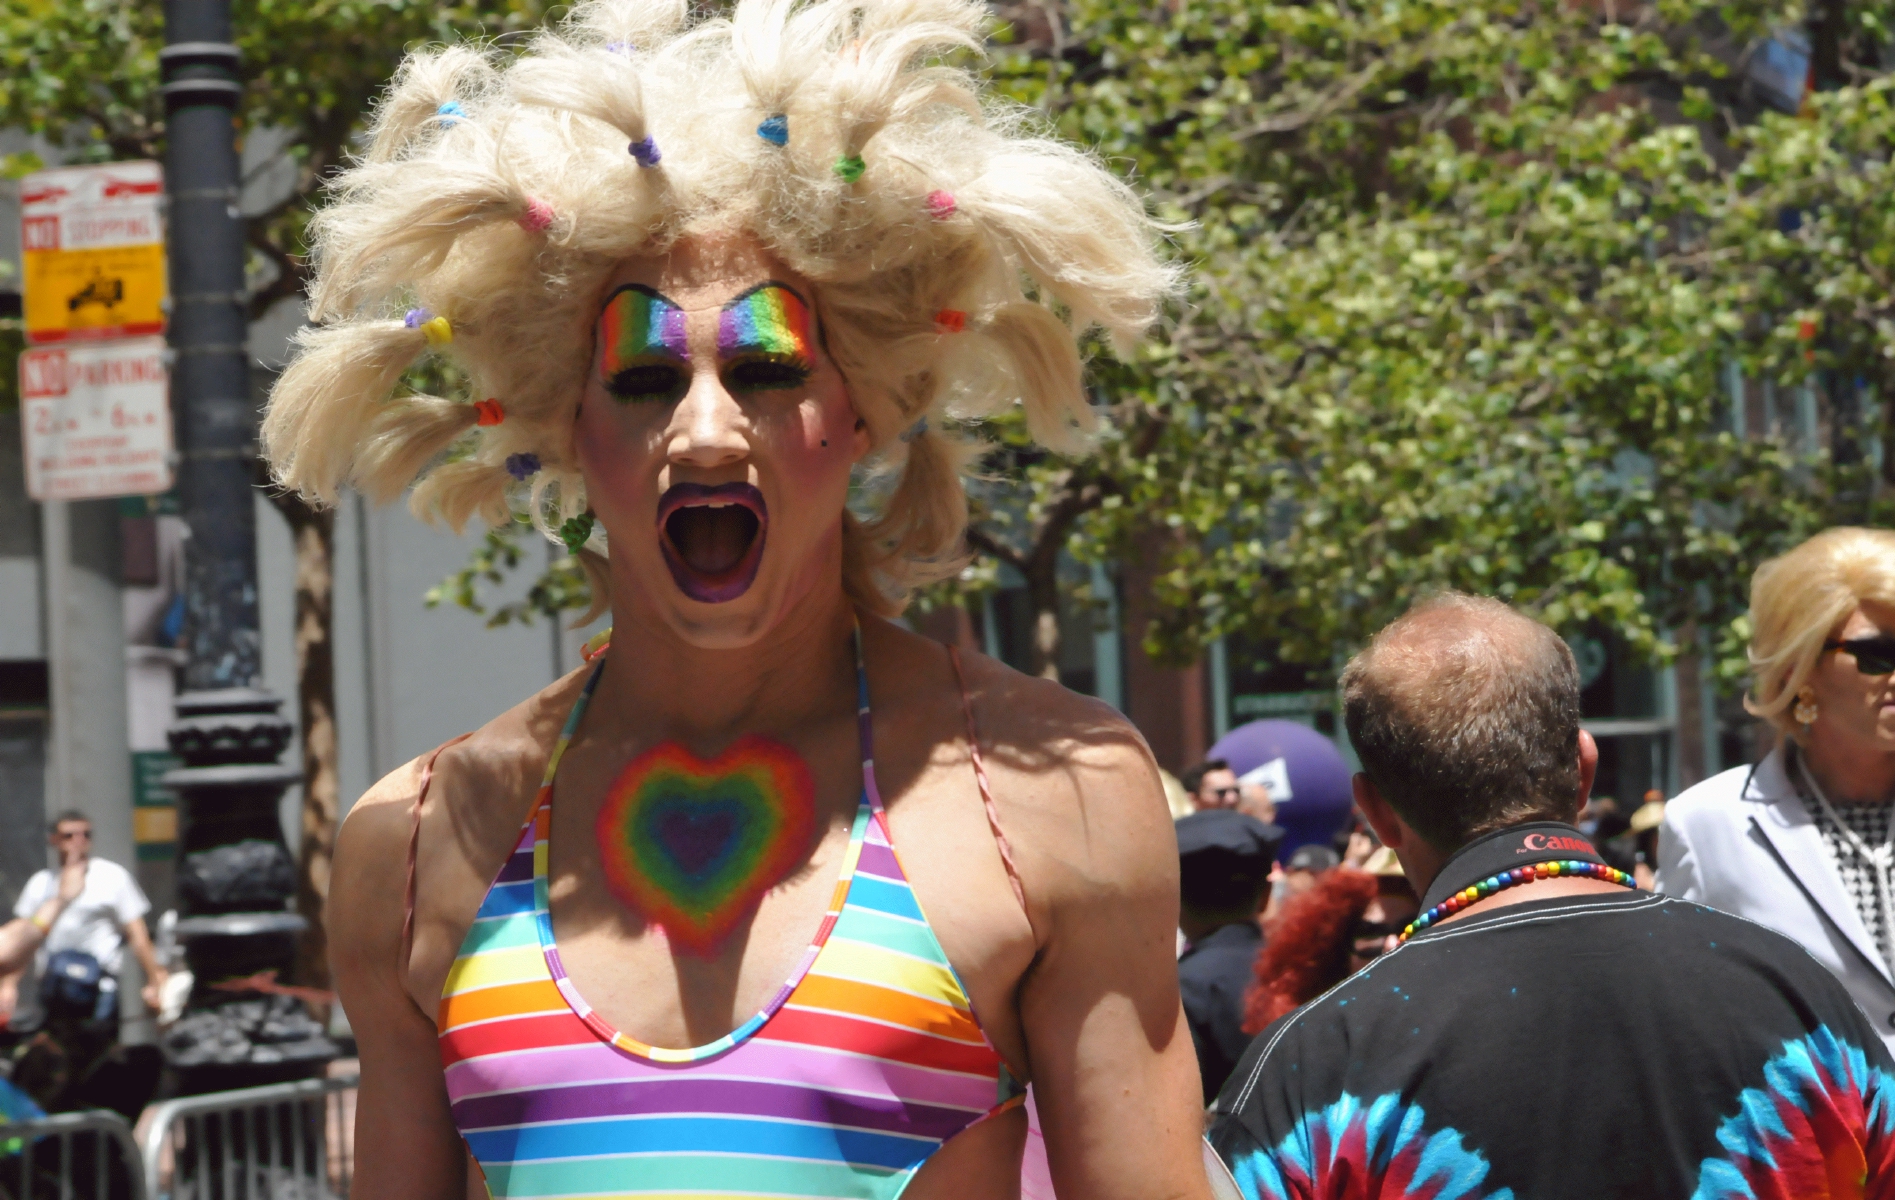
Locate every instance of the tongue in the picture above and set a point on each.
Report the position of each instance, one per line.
(712, 540)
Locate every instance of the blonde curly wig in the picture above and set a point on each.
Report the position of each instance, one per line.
(499, 191)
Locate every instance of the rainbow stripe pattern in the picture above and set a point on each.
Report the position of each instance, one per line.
(638, 326)
(862, 1064)
(768, 319)
(693, 844)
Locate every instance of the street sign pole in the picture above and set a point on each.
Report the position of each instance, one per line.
(235, 874)
(210, 376)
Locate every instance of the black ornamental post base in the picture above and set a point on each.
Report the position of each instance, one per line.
(236, 879)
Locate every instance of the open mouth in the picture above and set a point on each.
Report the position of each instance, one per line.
(712, 538)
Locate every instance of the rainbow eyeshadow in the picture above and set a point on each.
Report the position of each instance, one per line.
(768, 319)
(637, 327)
(693, 844)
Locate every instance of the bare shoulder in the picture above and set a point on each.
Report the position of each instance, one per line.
(474, 792)
(1076, 788)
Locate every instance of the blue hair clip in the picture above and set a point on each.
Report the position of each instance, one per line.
(451, 113)
(916, 430)
(775, 130)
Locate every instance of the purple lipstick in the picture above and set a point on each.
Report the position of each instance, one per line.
(712, 538)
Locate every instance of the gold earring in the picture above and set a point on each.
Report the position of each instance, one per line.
(1806, 710)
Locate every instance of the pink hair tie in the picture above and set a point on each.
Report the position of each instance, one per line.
(490, 412)
(538, 215)
(941, 205)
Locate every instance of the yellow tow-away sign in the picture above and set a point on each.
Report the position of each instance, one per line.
(93, 243)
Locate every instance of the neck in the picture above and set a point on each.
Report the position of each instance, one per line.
(800, 669)
(1846, 771)
(1428, 862)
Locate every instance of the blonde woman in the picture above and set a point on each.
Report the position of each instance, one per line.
(1803, 841)
(773, 897)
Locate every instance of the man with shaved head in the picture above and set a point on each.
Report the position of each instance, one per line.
(1539, 999)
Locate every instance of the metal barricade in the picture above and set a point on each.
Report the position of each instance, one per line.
(70, 1156)
(287, 1141)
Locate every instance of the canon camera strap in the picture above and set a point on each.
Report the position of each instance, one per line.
(1505, 849)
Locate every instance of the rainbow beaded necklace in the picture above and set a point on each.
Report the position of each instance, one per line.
(1500, 882)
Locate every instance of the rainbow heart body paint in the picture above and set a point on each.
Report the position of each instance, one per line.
(692, 845)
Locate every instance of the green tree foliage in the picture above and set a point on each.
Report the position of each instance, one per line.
(1472, 279)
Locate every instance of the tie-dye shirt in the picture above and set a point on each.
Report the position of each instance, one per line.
(1596, 1046)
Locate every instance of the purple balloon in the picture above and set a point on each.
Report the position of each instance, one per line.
(1304, 772)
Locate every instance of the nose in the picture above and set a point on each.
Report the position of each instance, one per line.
(708, 427)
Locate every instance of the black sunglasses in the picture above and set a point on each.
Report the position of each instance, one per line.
(1873, 655)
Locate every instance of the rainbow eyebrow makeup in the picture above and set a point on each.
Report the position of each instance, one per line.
(637, 326)
(768, 319)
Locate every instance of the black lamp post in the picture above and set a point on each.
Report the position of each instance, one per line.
(235, 874)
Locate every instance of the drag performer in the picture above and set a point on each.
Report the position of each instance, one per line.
(774, 898)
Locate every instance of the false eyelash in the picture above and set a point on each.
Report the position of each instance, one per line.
(634, 382)
(792, 371)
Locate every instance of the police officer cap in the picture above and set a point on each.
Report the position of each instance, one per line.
(1229, 831)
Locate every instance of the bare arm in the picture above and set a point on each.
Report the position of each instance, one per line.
(1114, 1074)
(405, 1144)
(139, 939)
(20, 937)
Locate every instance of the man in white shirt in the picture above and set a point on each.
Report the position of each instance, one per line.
(107, 913)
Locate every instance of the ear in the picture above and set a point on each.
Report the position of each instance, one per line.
(1381, 817)
(1588, 768)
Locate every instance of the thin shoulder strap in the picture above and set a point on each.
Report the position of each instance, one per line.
(414, 845)
(980, 780)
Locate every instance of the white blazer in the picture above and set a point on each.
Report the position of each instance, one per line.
(1742, 841)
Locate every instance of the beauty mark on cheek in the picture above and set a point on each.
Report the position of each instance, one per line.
(693, 844)
(770, 320)
(639, 327)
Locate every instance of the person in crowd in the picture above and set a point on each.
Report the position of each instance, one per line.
(1802, 842)
(1306, 865)
(773, 896)
(68, 1012)
(97, 924)
(1212, 784)
(1224, 860)
(1347, 919)
(1643, 829)
(1538, 993)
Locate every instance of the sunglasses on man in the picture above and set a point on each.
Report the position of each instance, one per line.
(1873, 655)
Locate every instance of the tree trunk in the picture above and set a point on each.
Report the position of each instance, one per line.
(314, 531)
(1042, 589)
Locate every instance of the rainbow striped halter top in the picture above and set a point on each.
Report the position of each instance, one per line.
(865, 1061)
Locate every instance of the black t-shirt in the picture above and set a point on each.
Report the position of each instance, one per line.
(1212, 977)
(1598, 1046)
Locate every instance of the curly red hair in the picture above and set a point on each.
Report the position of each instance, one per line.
(1307, 951)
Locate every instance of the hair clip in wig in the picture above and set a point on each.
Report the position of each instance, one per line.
(625, 48)
(414, 317)
(941, 204)
(538, 215)
(490, 412)
(775, 130)
(576, 532)
(950, 320)
(645, 150)
(850, 167)
(523, 466)
(437, 331)
(451, 114)
(916, 430)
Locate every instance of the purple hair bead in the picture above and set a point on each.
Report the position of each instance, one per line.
(520, 466)
(645, 150)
